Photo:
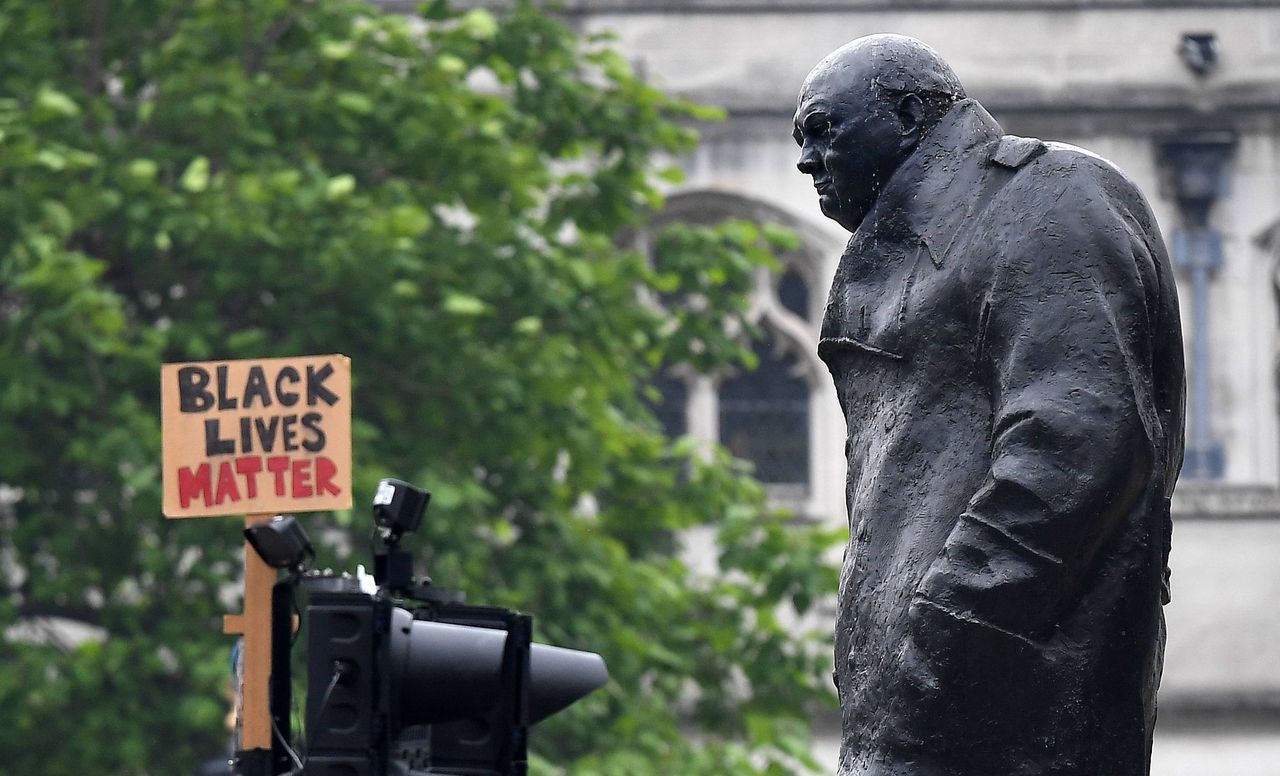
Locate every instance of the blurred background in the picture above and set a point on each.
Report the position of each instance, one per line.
(589, 333)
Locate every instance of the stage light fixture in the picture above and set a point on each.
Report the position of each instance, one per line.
(280, 542)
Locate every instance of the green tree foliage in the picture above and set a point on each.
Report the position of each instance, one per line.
(439, 197)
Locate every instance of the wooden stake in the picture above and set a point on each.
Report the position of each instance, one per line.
(255, 626)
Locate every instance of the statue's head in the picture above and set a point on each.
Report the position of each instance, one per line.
(864, 109)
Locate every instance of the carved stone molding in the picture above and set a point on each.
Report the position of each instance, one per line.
(1211, 501)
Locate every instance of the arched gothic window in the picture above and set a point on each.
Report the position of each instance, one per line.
(793, 293)
(672, 406)
(764, 416)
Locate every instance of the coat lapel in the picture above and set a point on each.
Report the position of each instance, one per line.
(911, 229)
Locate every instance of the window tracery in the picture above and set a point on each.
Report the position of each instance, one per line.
(763, 415)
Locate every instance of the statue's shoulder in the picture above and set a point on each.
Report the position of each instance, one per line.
(1013, 152)
(1058, 159)
(1071, 195)
(1048, 168)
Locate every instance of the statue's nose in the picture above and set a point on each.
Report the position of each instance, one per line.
(808, 162)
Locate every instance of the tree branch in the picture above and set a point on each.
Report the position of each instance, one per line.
(256, 56)
(91, 73)
(163, 32)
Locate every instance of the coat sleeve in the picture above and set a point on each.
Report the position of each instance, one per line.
(1064, 343)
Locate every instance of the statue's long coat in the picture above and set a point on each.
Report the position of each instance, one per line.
(1003, 335)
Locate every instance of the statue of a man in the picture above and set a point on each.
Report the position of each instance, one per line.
(1003, 334)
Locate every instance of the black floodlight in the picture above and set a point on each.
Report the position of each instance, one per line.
(398, 506)
(444, 689)
(280, 542)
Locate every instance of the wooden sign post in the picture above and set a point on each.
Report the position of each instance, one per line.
(256, 437)
(254, 712)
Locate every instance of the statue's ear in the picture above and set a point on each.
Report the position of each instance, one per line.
(911, 117)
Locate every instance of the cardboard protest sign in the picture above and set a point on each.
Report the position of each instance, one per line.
(257, 436)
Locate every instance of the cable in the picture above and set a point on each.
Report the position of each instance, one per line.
(340, 669)
(297, 761)
(328, 691)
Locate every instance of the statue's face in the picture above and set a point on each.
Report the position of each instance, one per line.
(850, 143)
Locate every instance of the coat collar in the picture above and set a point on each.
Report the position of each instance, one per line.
(934, 191)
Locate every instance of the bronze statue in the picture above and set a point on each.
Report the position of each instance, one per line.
(1003, 334)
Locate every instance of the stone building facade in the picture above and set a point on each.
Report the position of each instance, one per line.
(1183, 96)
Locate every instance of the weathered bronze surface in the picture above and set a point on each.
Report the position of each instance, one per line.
(1003, 334)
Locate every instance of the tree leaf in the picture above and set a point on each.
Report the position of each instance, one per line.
(463, 304)
(196, 177)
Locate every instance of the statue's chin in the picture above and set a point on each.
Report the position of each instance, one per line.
(831, 209)
(830, 206)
